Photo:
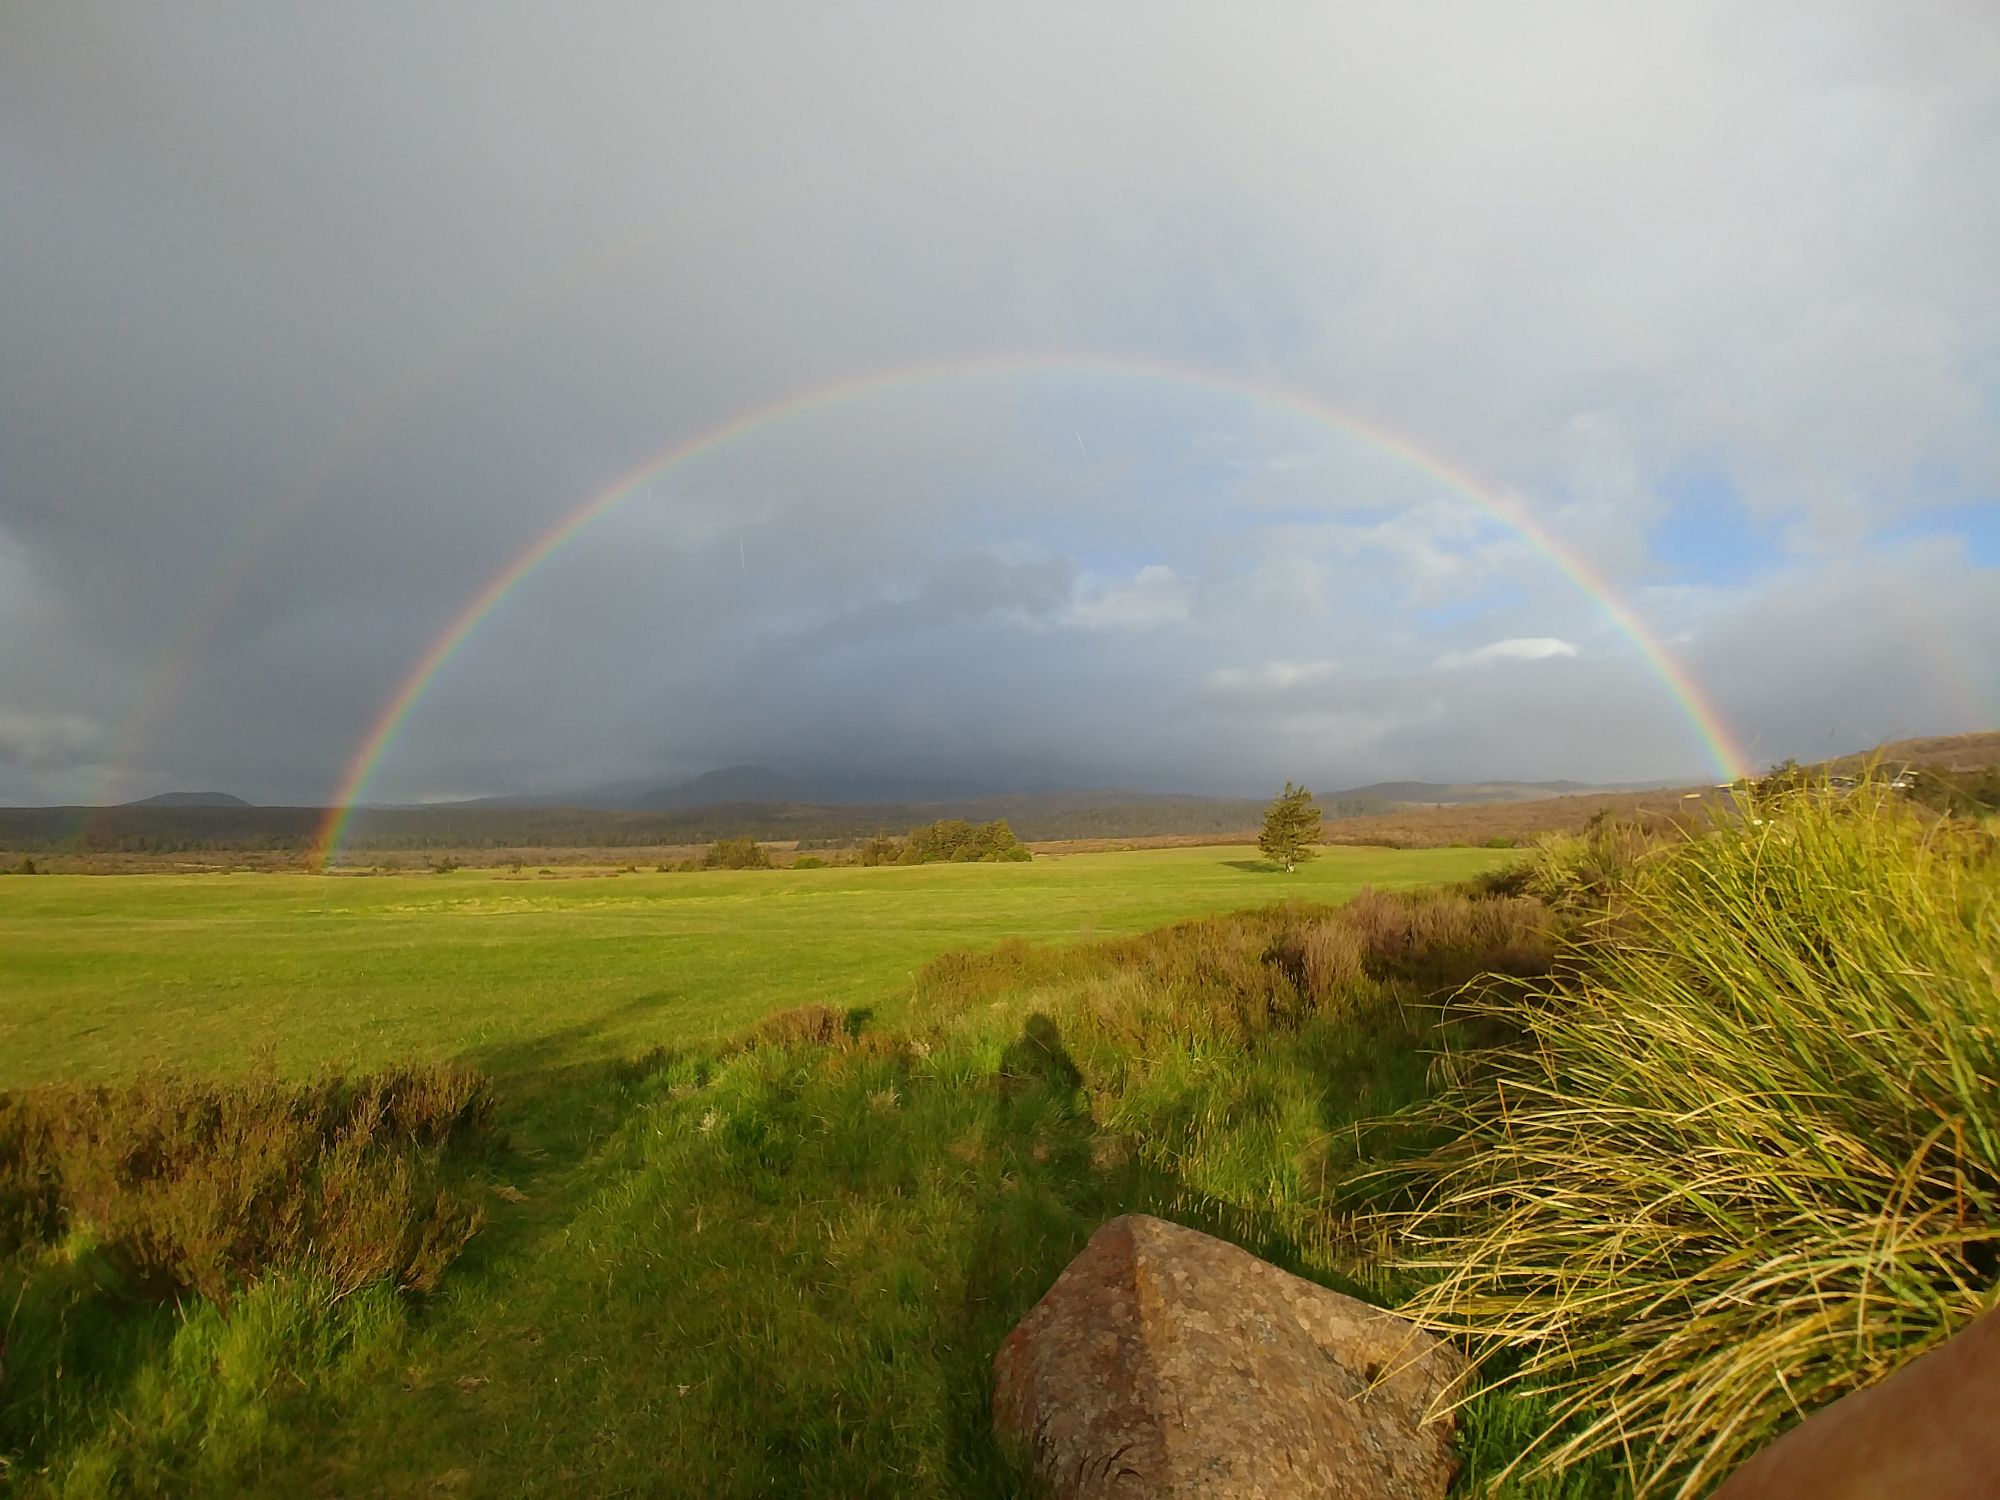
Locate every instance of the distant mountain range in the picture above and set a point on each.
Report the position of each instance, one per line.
(768, 804)
(189, 799)
(761, 786)
(1473, 793)
(745, 786)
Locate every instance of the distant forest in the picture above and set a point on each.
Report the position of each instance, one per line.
(169, 829)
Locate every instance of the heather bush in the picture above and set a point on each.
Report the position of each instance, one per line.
(197, 1186)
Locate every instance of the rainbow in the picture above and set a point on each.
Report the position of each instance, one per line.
(1728, 758)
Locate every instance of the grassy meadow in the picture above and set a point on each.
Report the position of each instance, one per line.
(521, 972)
(751, 1173)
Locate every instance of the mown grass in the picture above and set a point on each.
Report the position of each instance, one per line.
(105, 975)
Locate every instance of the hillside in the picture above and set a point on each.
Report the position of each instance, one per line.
(184, 829)
(1393, 813)
(1942, 752)
(1474, 793)
(190, 799)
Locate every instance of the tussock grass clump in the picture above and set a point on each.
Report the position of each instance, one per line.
(201, 1186)
(1747, 1157)
(1587, 869)
(801, 1026)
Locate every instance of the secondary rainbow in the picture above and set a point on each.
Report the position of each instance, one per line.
(1728, 758)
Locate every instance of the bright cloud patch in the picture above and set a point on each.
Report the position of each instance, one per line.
(1272, 679)
(1155, 595)
(1516, 648)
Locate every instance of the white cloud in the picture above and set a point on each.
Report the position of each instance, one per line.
(1516, 648)
(1272, 679)
(1152, 597)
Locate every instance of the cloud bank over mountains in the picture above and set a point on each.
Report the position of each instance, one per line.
(317, 320)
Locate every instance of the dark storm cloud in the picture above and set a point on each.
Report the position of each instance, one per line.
(314, 321)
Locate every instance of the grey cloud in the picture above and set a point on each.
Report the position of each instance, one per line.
(317, 319)
(39, 739)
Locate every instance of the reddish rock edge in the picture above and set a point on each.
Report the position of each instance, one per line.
(1165, 1362)
(1932, 1429)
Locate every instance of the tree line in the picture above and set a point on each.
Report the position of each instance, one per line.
(168, 830)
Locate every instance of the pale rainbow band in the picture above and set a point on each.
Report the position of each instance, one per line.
(1729, 760)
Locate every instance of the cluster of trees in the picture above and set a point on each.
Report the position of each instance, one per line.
(736, 854)
(950, 840)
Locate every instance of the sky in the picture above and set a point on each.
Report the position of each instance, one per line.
(1153, 396)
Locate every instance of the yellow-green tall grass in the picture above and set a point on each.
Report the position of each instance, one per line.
(1746, 1156)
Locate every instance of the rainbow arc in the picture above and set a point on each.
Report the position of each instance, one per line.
(1726, 757)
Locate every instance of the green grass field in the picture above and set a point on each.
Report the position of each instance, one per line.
(724, 1250)
(106, 974)
(710, 1271)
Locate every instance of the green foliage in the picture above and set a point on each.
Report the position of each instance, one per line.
(1745, 1158)
(1291, 827)
(197, 1186)
(1968, 794)
(1584, 871)
(106, 1395)
(278, 1217)
(808, 862)
(879, 850)
(949, 841)
(736, 854)
(802, 1025)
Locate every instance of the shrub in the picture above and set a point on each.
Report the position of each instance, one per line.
(1584, 870)
(736, 854)
(879, 850)
(196, 1186)
(1747, 1159)
(808, 862)
(950, 840)
(1433, 938)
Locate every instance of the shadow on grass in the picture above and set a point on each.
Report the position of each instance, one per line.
(73, 1338)
(728, 1270)
(1254, 866)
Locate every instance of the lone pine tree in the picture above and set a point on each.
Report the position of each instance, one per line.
(1291, 827)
